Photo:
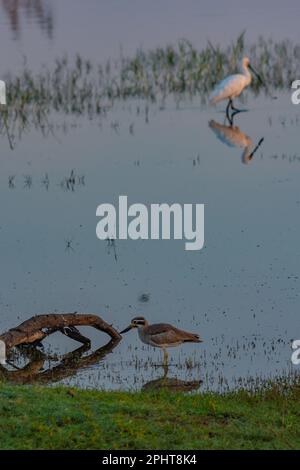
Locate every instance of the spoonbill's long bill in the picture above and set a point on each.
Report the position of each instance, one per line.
(233, 85)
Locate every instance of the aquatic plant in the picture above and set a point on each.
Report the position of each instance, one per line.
(79, 87)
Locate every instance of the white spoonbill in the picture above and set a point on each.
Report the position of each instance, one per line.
(232, 86)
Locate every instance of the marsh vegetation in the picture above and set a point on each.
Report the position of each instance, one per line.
(76, 86)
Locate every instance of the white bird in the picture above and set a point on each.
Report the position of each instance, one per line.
(233, 85)
(2, 93)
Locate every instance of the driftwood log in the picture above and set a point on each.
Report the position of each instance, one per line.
(34, 330)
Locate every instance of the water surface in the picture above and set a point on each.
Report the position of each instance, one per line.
(240, 293)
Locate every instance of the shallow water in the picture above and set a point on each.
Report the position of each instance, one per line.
(240, 293)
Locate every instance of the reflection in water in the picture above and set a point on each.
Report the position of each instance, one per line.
(111, 247)
(69, 183)
(69, 245)
(44, 102)
(44, 368)
(79, 87)
(173, 384)
(11, 182)
(234, 137)
(39, 10)
(70, 364)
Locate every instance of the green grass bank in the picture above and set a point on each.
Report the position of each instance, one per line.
(36, 417)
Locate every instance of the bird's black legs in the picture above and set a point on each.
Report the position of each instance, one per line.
(166, 357)
(233, 107)
(165, 363)
(227, 110)
(234, 111)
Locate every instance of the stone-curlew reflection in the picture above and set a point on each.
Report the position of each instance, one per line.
(172, 384)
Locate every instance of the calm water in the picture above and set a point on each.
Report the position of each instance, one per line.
(241, 292)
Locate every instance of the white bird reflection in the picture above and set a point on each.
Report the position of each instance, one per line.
(234, 137)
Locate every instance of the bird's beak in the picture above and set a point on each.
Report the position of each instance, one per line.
(256, 74)
(126, 329)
